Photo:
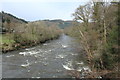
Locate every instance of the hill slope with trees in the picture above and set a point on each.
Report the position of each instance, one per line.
(18, 33)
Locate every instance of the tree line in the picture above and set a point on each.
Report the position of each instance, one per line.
(27, 35)
(97, 29)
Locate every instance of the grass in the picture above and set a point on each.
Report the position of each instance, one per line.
(6, 39)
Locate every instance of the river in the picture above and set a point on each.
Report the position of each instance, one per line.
(52, 59)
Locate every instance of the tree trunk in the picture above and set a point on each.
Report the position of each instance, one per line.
(86, 46)
(105, 32)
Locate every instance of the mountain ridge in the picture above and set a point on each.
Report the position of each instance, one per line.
(9, 21)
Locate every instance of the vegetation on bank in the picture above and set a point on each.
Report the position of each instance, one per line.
(17, 33)
(97, 31)
(27, 35)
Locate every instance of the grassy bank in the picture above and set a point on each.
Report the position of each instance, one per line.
(27, 35)
(6, 42)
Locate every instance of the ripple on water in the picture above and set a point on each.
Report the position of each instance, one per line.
(28, 53)
(50, 50)
(61, 56)
(64, 46)
(26, 64)
(79, 63)
(54, 76)
(36, 62)
(36, 77)
(29, 48)
(45, 44)
(23, 53)
(10, 56)
(68, 65)
(28, 71)
(45, 63)
(58, 71)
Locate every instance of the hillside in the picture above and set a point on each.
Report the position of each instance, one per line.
(11, 18)
(61, 24)
(8, 21)
(18, 33)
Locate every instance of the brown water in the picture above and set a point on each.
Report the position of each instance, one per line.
(49, 60)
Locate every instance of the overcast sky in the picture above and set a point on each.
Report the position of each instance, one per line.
(32, 10)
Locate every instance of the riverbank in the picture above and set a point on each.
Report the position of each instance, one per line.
(11, 45)
(104, 74)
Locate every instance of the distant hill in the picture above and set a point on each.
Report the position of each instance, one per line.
(61, 24)
(8, 22)
(11, 18)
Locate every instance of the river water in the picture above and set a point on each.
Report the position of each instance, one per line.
(52, 59)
